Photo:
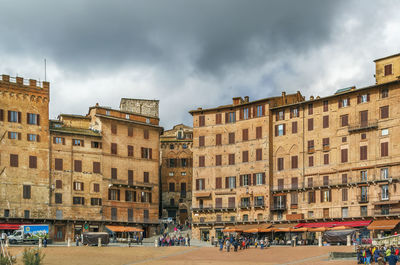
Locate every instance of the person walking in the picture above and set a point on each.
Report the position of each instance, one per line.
(228, 245)
(392, 259)
(221, 244)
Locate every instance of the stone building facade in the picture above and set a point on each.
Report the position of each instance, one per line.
(331, 158)
(77, 173)
(176, 173)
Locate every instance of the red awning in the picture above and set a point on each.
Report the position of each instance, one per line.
(334, 224)
(9, 226)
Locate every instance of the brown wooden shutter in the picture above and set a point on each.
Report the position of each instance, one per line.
(201, 140)
(226, 117)
(263, 110)
(226, 182)
(197, 184)
(326, 159)
(384, 112)
(19, 117)
(310, 124)
(326, 122)
(254, 180)
(358, 99)
(340, 103)
(245, 156)
(322, 195)
(259, 132)
(385, 149)
(276, 130)
(363, 152)
(310, 161)
(27, 118)
(263, 178)
(19, 136)
(344, 155)
(241, 180)
(241, 114)
(254, 111)
(294, 127)
(245, 134)
(130, 131)
(284, 129)
(344, 178)
(1, 115)
(38, 119)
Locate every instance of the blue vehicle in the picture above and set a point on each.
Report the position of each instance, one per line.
(29, 234)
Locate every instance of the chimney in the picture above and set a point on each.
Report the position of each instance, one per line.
(237, 100)
(246, 99)
(20, 80)
(311, 97)
(32, 82)
(6, 78)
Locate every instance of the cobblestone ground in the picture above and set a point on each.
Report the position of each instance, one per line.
(186, 255)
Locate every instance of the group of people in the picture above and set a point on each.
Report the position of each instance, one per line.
(166, 240)
(378, 254)
(241, 242)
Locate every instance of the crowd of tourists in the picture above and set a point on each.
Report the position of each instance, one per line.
(380, 255)
(167, 241)
(240, 243)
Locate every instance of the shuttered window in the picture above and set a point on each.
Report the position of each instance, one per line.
(113, 128)
(325, 142)
(326, 159)
(130, 177)
(295, 183)
(245, 134)
(26, 192)
(310, 182)
(218, 160)
(310, 146)
(388, 69)
(58, 184)
(295, 162)
(113, 148)
(96, 167)
(344, 194)
(146, 134)
(259, 154)
(384, 112)
(310, 124)
(245, 156)
(280, 163)
(231, 159)
(294, 127)
(218, 183)
(363, 152)
(344, 155)
(310, 161)
(114, 214)
(218, 202)
(130, 150)
(96, 187)
(114, 174)
(280, 184)
(259, 132)
(202, 121)
(202, 161)
(231, 138)
(58, 198)
(344, 178)
(218, 139)
(385, 149)
(325, 122)
(130, 131)
(344, 120)
(326, 180)
(58, 164)
(13, 160)
(201, 140)
(77, 165)
(146, 177)
(32, 162)
(218, 118)
(171, 187)
(1, 115)
(311, 197)
(310, 109)
(325, 105)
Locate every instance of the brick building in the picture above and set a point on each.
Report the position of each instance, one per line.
(325, 159)
(77, 173)
(176, 173)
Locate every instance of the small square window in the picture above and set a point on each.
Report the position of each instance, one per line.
(127, 116)
(183, 173)
(147, 120)
(385, 132)
(171, 174)
(107, 112)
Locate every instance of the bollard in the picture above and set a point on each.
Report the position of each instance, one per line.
(294, 241)
(155, 243)
(99, 242)
(348, 240)
(320, 241)
(69, 242)
(40, 242)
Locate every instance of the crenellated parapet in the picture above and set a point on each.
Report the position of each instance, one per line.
(24, 89)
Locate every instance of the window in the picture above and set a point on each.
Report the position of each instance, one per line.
(344, 139)
(146, 214)
(78, 200)
(345, 194)
(32, 162)
(310, 146)
(113, 128)
(280, 163)
(310, 109)
(14, 135)
(388, 69)
(364, 175)
(294, 112)
(344, 178)
(280, 115)
(26, 214)
(1, 115)
(258, 154)
(58, 184)
(326, 159)
(325, 143)
(363, 211)
(345, 102)
(345, 212)
(184, 162)
(384, 93)
(294, 199)
(310, 124)
(363, 136)
(245, 113)
(171, 146)
(130, 131)
(202, 121)
(310, 182)
(344, 155)
(130, 150)
(310, 214)
(218, 183)
(295, 160)
(230, 182)
(114, 214)
(201, 140)
(114, 174)
(258, 132)
(218, 139)
(385, 132)
(245, 217)
(245, 156)
(96, 167)
(78, 186)
(6, 213)
(280, 130)
(78, 165)
(14, 116)
(13, 160)
(363, 152)
(114, 195)
(200, 184)
(147, 153)
(245, 180)
(295, 183)
(326, 181)
(130, 195)
(344, 120)
(218, 160)
(363, 98)
(385, 192)
(33, 137)
(310, 161)
(326, 195)
(384, 173)
(171, 187)
(58, 198)
(32, 119)
(231, 159)
(183, 173)
(146, 134)
(26, 192)
(260, 110)
(231, 138)
(58, 164)
(96, 187)
(245, 202)
(294, 127)
(127, 116)
(218, 118)
(202, 161)
(245, 134)
(107, 112)
(311, 197)
(130, 177)
(146, 176)
(230, 117)
(147, 120)
(95, 201)
(183, 190)
(184, 146)
(77, 142)
(384, 112)
(58, 140)
(260, 179)
(325, 122)
(385, 149)
(325, 105)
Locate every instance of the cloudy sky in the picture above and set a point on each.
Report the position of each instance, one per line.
(190, 53)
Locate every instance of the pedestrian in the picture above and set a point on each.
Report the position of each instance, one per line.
(368, 256)
(45, 241)
(221, 244)
(228, 246)
(188, 240)
(77, 240)
(392, 259)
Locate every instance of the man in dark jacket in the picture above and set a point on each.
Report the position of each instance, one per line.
(392, 259)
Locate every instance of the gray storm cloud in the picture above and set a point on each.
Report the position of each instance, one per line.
(192, 53)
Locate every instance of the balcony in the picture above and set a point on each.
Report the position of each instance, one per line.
(229, 207)
(259, 204)
(202, 208)
(362, 198)
(387, 212)
(245, 205)
(383, 196)
(363, 126)
(170, 206)
(278, 207)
